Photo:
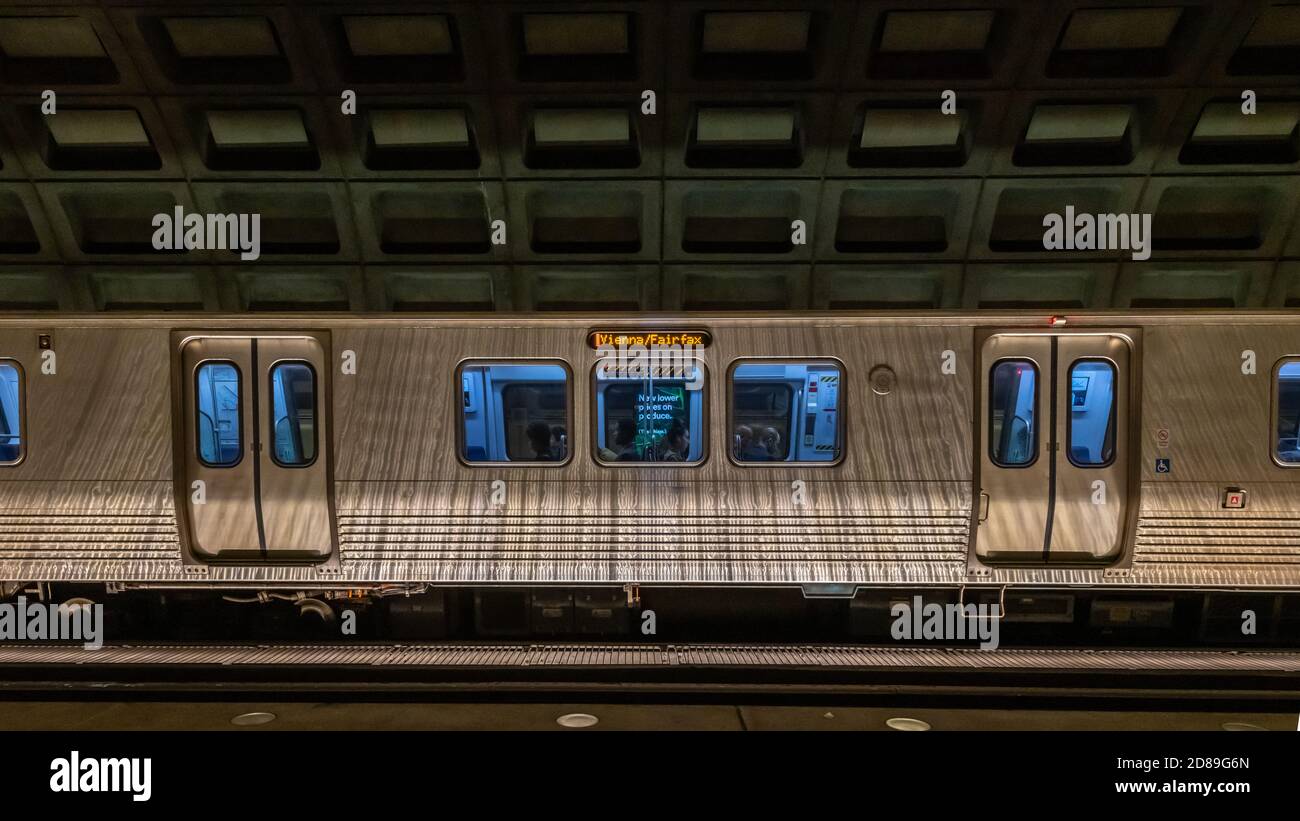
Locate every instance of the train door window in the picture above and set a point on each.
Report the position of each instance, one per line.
(1286, 445)
(785, 412)
(649, 417)
(515, 412)
(11, 430)
(1013, 402)
(1092, 413)
(293, 409)
(216, 393)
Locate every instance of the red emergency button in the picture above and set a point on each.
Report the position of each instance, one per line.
(1234, 498)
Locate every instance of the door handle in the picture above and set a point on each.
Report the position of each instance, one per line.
(984, 507)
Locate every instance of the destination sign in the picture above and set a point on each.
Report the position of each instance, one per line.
(648, 339)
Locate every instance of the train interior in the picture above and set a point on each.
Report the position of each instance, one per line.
(219, 425)
(293, 411)
(514, 413)
(220, 414)
(1014, 397)
(785, 412)
(1288, 412)
(10, 424)
(1014, 405)
(644, 417)
(1092, 415)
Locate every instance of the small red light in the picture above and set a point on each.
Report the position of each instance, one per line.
(1056, 320)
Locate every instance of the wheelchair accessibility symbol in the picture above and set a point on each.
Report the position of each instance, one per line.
(1162, 466)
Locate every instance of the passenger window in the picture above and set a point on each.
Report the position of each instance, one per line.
(11, 443)
(1092, 413)
(515, 413)
(650, 419)
(293, 407)
(218, 423)
(1013, 401)
(1287, 446)
(785, 412)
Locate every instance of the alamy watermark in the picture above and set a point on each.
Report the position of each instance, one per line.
(918, 621)
(179, 231)
(1098, 232)
(128, 775)
(21, 621)
(653, 361)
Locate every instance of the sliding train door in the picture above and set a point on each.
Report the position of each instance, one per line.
(1092, 466)
(1054, 455)
(294, 481)
(220, 447)
(252, 448)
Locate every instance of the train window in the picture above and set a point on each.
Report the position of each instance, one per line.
(218, 422)
(1013, 402)
(1092, 413)
(1287, 446)
(785, 412)
(515, 412)
(11, 430)
(650, 418)
(293, 399)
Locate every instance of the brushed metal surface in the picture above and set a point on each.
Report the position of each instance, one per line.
(65, 526)
(96, 487)
(224, 525)
(103, 413)
(1088, 519)
(1218, 417)
(1016, 520)
(295, 506)
(256, 509)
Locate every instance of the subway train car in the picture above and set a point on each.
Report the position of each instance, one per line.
(832, 455)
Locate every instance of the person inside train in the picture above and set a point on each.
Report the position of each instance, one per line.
(742, 440)
(675, 446)
(771, 443)
(620, 442)
(539, 438)
(607, 452)
(625, 441)
(748, 447)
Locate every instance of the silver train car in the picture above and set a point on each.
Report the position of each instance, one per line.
(827, 452)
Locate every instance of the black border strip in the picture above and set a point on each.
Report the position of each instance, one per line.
(257, 449)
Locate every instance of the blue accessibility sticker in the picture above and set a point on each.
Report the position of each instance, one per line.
(1163, 466)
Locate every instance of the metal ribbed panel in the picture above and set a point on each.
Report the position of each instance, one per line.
(521, 549)
(1218, 540)
(88, 536)
(441, 537)
(643, 656)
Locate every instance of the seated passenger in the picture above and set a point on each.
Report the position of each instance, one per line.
(539, 439)
(771, 442)
(749, 449)
(626, 442)
(676, 444)
(607, 453)
(743, 440)
(620, 443)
